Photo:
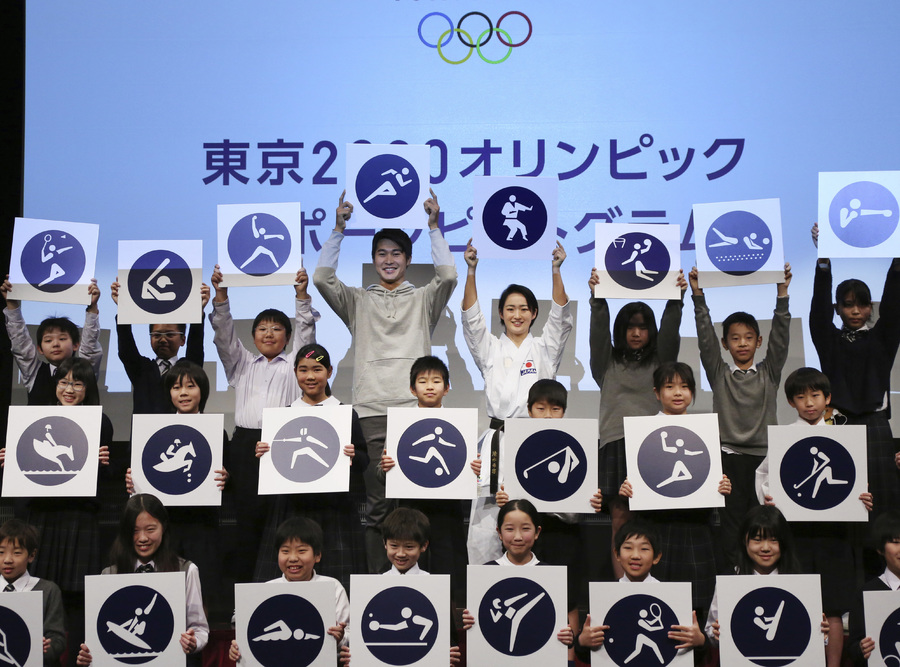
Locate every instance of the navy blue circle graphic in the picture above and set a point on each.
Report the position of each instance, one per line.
(52, 450)
(160, 281)
(515, 218)
(14, 636)
(739, 243)
(889, 639)
(864, 214)
(637, 261)
(53, 261)
(431, 453)
(135, 625)
(551, 465)
(399, 626)
(305, 449)
(285, 630)
(673, 461)
(176, 459)
(817, 473)
(387, 186)
(638, 631)
(770, 627)
(517, 616)
(259, 244)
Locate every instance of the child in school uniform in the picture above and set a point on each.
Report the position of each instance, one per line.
(149, 396)
(57, 340)
(260, 381)
(519, 527)
(193, 531)
(886, 533)
(18, 547)
(406, 532)
(638, 551)
(429, 382)
(391, 323)
(685, 536)
(143, 545)
(510, 365)
(622, 365)
(745, 393)
(857, 358)
(299, 550)
(70, 527)
(766, 548)
(823, 548)
(343, 543)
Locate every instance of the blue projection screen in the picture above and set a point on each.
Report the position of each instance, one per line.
(143, 117)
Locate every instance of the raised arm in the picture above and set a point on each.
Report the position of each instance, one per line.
(888, 324)
(600, 337)
(306, 316)
(90, 348)
(470, 294)
(710, 356)
(441, 287)
(559, 290)
(780, 334)
(335, 293)
(231, 351)
(669, 339)
(193, 351)
(23, 348)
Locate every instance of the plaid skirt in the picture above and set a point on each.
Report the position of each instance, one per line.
(612, 471)
(884, 477)
(685, 540)
(70, 542)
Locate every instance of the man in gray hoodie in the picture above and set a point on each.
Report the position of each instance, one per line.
(391, 323)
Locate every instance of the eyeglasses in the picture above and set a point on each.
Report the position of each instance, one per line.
(168, 335)
(264, 330)
(76, 386)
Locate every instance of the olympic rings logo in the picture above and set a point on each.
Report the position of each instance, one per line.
(466, 39)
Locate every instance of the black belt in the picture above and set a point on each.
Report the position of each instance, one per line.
(497, 425)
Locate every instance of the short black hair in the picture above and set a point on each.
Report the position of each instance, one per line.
(182, 328)
(187, 369)
(637, 528)
(767, 521)
(739, 317)
(63, 324)
(520, 505)
(20, 534)
(669, 371)
(276, 316)
(620, 332)
(299, 528)
(805, 379)
(550, 391)
(397, 236)
(406, 523)
(854, 287)
(530, 300)
(886, 528)
(82, 371)
(426, 364)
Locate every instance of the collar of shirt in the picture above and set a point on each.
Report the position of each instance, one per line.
(802, 422)
(171, 360)
(650, 579)
(138, 563)
(415, 569)
(284, 580)
(261, 359)
(20, 584)
(891, 579)
(745, 371)
(504, 560)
